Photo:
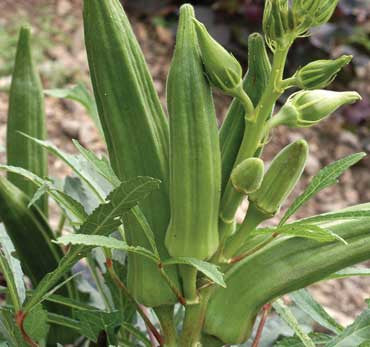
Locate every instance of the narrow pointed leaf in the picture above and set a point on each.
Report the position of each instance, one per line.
(303, 299)
(325, 178)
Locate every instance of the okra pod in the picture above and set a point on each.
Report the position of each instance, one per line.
(26, 114)
(195, 172)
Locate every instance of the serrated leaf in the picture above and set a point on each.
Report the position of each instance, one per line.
(82, 168)
(80, 94)
(93, 322)
(286, 314)
(103, 221)
(77, 190)
(208, 269)
(349, 272)
(355, 334)
(309, 231)
(38, 194)
(325, 178)
(303, 299)
(100, 164)
(318, 339)
(35, 323)
(11, 267)
(72, 207)
(335, 216)
(105, 242)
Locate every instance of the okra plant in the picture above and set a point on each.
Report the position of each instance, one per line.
(153, 225)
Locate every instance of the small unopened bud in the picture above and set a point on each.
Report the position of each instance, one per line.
(247, 176)
(312, 13)
(222, 68)
(320, 73)
(280, 179)
(306, 108)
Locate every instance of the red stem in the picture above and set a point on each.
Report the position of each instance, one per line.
(265, 312)
(19, 319)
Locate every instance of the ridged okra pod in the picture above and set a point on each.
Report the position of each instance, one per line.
(26, 114)
(195, 172)
(135, 129)
(255, 81)
(278, 182)
(288, 264)
(32, 240)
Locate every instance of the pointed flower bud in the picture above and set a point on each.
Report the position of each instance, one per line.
(280, 179)
(320, 73)
(222, 68)
(307, 108)
(312, 13)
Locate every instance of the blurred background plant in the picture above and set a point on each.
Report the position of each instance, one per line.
(60, 54)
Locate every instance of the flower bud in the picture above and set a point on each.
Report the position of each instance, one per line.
(280, 179)
(278, 21)
(306, 108)
(312, 13)
(247, 176)
(320, 73)
(222, 69)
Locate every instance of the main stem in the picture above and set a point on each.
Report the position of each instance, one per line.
(168, 328)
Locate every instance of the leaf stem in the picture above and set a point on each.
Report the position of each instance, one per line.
(265, 312)
(122, 286)
(20, 316)
(172, 285)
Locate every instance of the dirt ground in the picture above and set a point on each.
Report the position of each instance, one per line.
(64, 56)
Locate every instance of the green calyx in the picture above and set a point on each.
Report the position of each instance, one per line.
(247, 176)
(320, 73)
(307, 108)
(281, 177)
(222, 69)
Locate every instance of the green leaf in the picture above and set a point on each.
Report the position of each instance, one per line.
(208, 269)
(103, 221)
(80, 94)
(325, 178)
(9, 329)
(39, 193)
(309, 231)
(11, 269)
(355, 334)
(73, 208)
(318, 339)
(80, 167)
(35, 323)
(286, 314)
(349, 272)
(101, 165)
(105, 242)
(335, 216)
(303, 299)
(57, 319)
(93, 322)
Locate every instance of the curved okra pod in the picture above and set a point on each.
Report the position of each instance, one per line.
(26, 114)
(286, 265)
(135, 129)
(195, 172)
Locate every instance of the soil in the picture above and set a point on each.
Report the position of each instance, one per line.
(64, 56)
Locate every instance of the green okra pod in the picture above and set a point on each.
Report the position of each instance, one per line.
(195, 172)
(26, 114)
(278, 182)
(135, 129)
(254, 84)
(288, 264)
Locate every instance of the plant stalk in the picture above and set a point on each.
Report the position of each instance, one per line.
(168, 328)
